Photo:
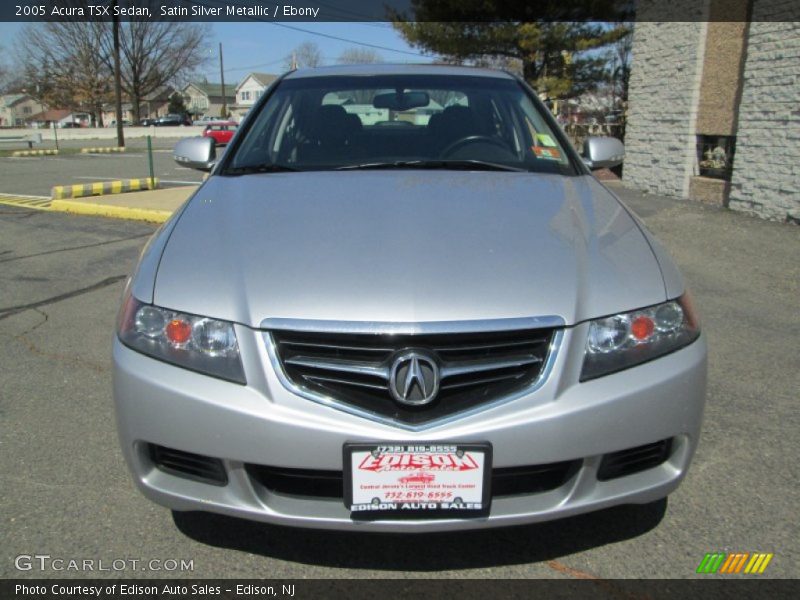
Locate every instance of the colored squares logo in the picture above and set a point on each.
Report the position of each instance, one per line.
(736, 562)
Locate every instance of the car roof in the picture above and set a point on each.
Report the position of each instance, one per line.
(397, 69)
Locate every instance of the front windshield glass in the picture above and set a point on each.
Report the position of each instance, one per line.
(399, 121)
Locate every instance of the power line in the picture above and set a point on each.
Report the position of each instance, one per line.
(325, 35)
(349, 41)
(266, 64)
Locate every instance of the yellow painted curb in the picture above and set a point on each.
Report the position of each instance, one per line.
(106, 210)
(18, 153)
(102, 188)
(102, 149)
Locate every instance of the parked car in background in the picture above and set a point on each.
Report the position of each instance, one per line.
(206, 119)
(221, 132)
(344, 303)
(147, 122)
(172, 120)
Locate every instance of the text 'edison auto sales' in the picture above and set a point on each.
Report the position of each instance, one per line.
(391, 478)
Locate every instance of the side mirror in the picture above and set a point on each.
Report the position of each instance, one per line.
(196, 153)
(603, 152)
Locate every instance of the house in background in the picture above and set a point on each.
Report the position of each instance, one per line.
(156, 104)
(153, 105)
(59, 117)
(205, 99)
(110, 115)
(17, 109)
(249, 91)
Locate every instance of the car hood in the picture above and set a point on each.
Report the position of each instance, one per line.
(405, 246)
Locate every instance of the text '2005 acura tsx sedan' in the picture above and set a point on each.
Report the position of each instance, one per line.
(401, 302)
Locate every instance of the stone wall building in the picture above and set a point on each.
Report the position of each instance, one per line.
(714, 105)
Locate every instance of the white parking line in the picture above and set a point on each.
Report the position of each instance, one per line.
(5, 195)
(116, 178)
(48, 157)
(104, 155)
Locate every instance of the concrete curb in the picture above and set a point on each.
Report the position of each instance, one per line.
(106, 210)
(102, 149)
(18, 153)
(101, 188)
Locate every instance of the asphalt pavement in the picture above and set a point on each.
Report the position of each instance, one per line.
(38, 174)
(65, 490)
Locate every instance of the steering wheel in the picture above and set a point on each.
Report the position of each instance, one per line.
(472, 139)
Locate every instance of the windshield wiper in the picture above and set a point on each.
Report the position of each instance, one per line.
(259, 168)
(459, 165)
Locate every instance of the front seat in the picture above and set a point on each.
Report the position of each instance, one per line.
(330, 133)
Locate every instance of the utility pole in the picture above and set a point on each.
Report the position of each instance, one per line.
(117, 78)
(294, 60)
(224, 114)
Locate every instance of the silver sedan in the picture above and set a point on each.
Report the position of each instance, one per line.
(402, 302)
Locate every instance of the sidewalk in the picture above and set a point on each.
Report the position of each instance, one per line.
(155, 206)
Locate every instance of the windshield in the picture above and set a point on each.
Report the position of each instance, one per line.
(399, 121)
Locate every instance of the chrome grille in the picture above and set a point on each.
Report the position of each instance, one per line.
(355, 368)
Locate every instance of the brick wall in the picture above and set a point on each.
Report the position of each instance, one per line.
(766, 168)
(660, 151)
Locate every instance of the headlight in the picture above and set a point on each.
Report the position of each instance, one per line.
(189, 341)
(627, 339)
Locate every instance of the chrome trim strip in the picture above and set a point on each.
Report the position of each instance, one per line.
(388, 327)
(339, 347)
(454, 386)
(544, 374)
(342, 367)
(469, 347)
(345, 382)
(461, 369)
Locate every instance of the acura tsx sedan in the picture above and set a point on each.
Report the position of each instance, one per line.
(401, 302)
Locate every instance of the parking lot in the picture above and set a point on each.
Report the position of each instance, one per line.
(36, 175)
(66, 491)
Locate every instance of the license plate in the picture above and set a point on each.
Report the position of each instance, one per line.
(405, 478)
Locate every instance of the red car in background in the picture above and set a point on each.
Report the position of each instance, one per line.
(221, 131)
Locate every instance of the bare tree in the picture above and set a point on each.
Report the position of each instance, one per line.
(620, 59)
(4, 72)
(156, 53)
(63, 65)
(359, 56)
(306, 54)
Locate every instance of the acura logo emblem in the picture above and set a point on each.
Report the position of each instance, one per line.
(414, 379)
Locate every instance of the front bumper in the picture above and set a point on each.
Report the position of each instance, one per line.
(263, 423)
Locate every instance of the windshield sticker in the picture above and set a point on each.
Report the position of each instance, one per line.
(545, 139)
(546, 153)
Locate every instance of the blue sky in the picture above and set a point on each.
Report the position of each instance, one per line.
(262, 46)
